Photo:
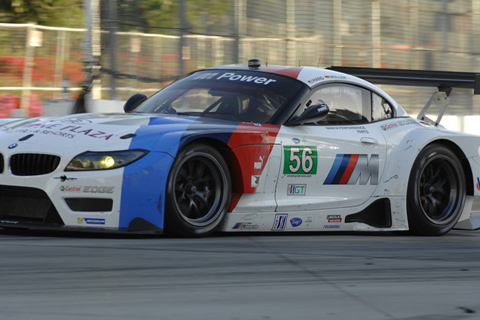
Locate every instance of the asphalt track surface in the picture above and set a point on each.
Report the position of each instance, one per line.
(241, 276)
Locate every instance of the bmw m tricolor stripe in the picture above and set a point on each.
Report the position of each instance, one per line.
(341, 169)
(349, 168)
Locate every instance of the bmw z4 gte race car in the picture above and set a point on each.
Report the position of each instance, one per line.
(243, 148)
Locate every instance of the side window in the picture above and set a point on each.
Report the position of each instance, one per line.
(381, 109)
(348, 104)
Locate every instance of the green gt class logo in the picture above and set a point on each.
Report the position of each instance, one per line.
(300, 160)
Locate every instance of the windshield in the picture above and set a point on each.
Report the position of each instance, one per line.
(243, 96)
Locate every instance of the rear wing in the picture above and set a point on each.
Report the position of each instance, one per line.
(445, 81)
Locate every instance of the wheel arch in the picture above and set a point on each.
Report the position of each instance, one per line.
(467, 169)
(229, 156)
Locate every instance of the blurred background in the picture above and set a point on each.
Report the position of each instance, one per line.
(54, 50)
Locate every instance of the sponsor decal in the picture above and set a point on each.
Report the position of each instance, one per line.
(280, 222)
(323, 107)
(295, 222)
(256, 124)
(90, 221)
(399, 123)
(64, 178)
(353, 168)
(204, 76)
(315, 79)
(95, 189)
(346, 128)
(296, 189)
(334, 218)
(300, 160)
(363, 131)
(308, 221)
(74, 121)
(258, 165)
(331, 226)
(406, 122)
(255, 181)
(245, 226)
(87, 189)
(296, 140)
(9, 221)
(478, 183)
(389, 126)
(335, 76)
(64, 130)
(70, 188)
(244, 78)
(231, 76)
(87, 132)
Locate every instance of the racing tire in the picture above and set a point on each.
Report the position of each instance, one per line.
(198, 192)
(436, 191)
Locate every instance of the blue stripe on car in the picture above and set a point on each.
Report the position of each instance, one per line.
(343, 167)
(333, 171)
(144, 181)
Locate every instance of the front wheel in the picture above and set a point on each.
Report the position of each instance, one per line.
(436, 191)
(198, 192)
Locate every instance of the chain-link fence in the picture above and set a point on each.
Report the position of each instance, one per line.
(139, 53)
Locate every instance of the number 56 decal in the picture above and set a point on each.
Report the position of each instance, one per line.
(300, 160)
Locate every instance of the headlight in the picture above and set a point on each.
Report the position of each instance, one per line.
(104, 160)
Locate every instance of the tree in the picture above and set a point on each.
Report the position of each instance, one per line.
(58, 13)
(151, 16)
(160, 16)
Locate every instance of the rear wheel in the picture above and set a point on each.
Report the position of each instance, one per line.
(436, 191)
(198, 192)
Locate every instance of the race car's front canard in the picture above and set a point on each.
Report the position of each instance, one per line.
(240, 149)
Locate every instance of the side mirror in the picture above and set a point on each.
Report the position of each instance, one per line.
(133, 102)
(311, 115)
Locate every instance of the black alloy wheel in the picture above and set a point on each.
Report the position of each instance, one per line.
(198, 192)
(436, 191)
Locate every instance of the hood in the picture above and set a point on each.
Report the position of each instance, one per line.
(82, 131)
(102, 132)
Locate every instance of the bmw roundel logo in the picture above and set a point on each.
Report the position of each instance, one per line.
(13, 145)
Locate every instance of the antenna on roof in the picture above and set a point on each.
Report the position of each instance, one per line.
(266, 61)
(319, 59)
(299, 63)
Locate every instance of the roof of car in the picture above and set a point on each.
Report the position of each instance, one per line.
(312, 77)
(309, 75)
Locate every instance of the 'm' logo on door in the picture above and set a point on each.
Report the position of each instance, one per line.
(353, 168)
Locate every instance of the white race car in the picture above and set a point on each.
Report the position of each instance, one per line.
(247, 148)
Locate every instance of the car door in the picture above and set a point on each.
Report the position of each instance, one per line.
(336, 162)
